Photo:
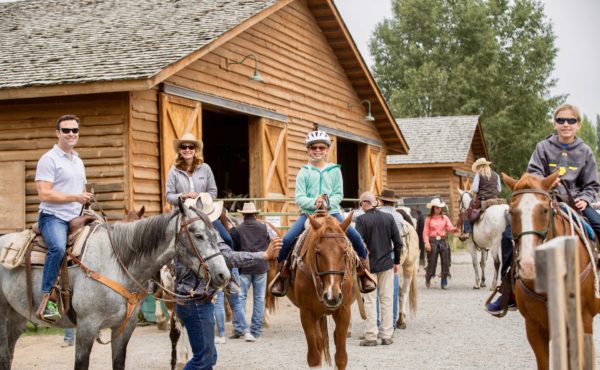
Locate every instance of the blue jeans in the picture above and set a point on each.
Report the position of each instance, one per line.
(467, 226)
(54, 230)
(69, 335)
(259, 289)
(198, 319)
(240, 326)
(223, 233)
(298, 227)
(593, 218)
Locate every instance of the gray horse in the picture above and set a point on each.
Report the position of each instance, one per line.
(143, 247)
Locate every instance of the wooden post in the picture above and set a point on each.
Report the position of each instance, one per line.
(573, 293)
(553, 284)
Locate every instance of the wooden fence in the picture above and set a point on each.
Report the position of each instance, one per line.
(557, 275)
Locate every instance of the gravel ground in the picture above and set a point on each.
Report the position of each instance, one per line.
(450, 331)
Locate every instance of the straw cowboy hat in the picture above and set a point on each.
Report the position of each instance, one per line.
(248, 209)
(204, 202)
(436, 202)
(387, 195)
(187, 138)
(480, 162)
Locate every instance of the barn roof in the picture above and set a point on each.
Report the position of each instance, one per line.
(439, 140)
(66, 47)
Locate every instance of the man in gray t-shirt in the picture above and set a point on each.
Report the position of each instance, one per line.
(60, 182)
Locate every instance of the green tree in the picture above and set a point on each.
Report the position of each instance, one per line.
(492, 58)
(587, 133)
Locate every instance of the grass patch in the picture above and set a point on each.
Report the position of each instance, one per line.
(32, 329)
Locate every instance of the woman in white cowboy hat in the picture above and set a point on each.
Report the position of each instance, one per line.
(486, 185)
(190, 176)
(434, 235)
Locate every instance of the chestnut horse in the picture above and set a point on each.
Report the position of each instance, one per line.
(322, 285)
(536, 219)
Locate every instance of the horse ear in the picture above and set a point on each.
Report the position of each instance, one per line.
(315, 225)
(509, 181)
(344, 225)
(141, 211)
(460, 191)
(548, 181)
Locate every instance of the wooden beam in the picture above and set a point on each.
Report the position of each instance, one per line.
(349, 135)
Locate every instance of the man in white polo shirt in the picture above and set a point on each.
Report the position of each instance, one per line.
(60, 182)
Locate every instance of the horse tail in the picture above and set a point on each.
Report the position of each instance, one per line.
(412, 295)
(271, 302)
(174, 335)
(325, 338)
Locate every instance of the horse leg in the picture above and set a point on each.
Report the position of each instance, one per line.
(11, 327)
(87, 332)
(342, 320)
(184, 349)
(496, 269)
(118, 343)
(407, 277)
(538, 338)
(312, 332)
(161, 319)
(15, 327)
(473, 253)
(484, 255)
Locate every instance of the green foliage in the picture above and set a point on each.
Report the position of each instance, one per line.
(587, 133)
(489, 58)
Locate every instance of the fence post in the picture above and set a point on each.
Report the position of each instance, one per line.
(574, 321)
(551, 280)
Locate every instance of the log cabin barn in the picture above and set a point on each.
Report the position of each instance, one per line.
(250, 78)
(442, 152)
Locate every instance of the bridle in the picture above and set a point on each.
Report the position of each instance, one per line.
(461, 207)
(551, 226)
(318, 275)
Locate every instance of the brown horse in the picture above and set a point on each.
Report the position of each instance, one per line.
(322, 285)
(536, 219)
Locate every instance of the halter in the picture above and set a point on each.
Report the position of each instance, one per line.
(317, 275)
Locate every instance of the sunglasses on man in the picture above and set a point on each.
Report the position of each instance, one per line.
(570, 121)
(188, 147)
(65, 130)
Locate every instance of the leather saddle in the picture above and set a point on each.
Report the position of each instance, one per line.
(77, 227)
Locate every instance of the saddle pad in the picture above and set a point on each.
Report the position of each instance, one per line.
(13, 252)
(588, 229)
(76, 244)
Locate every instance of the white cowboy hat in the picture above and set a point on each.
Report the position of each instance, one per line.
(436, 202)
(249, 208)
(204, 202)
(480, 162)
(187, 138)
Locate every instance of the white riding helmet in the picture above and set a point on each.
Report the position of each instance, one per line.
(317, 137)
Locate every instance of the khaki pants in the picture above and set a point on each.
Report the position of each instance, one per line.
(385, 289)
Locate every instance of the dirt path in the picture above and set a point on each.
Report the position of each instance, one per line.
(450, 331)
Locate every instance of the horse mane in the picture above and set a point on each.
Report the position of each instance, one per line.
(327, 224)
(406, 216)
(529, 181)
(135, 240)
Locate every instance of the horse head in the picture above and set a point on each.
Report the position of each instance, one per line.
(329, 256)
(200, 241)
(465, 199)
(531, 212)
(133, 215)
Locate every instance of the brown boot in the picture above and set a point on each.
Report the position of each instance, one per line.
(279, 286)
(366, 282)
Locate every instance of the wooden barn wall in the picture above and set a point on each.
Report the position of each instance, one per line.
(27, 131)
(144, 151)
(423, 182)
(303, 79)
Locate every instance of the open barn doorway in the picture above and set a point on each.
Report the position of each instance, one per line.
(225, 136)
(347, 157)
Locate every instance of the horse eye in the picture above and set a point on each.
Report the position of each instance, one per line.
(199, 236)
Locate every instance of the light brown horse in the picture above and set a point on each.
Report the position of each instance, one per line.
(322, 285)
(536, 219)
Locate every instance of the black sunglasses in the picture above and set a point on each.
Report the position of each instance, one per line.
(188, 147)
(570, 121)
(67, 130)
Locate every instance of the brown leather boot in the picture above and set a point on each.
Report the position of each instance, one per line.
(279, 286)
(366, 281)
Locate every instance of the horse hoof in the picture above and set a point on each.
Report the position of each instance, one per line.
(475, 286)
(482, 285)
(400, 325)
(349, 335)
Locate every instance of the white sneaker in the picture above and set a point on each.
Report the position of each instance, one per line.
(220, 340)
(249, 337)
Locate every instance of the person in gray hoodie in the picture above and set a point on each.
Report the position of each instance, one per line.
(578, 174)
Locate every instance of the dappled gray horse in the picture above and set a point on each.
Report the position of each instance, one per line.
(486, 237)
(143, 247)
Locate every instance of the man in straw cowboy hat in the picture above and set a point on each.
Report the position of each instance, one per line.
(388, 205)
(380, 232)
(253, 235)
(486, 186)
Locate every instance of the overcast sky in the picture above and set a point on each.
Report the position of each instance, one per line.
(575, 23)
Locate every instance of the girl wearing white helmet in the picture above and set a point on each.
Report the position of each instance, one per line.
(315, 182)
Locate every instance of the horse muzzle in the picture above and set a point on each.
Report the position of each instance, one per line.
(332, 300)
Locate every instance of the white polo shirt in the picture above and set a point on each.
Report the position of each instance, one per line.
(67, 175)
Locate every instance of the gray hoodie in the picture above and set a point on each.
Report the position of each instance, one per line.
(575, 161)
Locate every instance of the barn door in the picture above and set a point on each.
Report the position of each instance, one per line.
(177, 116)
(268, 163)
(370, 167)
(332, 156)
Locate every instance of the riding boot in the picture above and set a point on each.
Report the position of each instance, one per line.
(366, 281)
(279, 286)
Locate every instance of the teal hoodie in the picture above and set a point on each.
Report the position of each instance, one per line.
(312, 182)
